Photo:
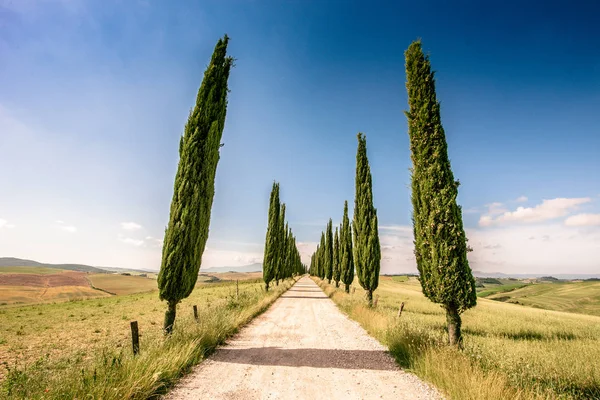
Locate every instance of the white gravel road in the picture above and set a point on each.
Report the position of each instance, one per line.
(303, 347)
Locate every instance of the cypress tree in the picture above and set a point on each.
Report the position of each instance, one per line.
(194, 188)
(321, 257)
(346, 253)
(336, 258)
(271, 257)
(440, 241)
(329, 252)
(367, 252)
(281, 249)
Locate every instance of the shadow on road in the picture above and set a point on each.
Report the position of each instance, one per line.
(316, 358)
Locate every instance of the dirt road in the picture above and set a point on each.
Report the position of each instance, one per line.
(303, 347)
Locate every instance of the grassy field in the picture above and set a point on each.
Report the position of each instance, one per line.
(82, 349)
(29, 270)
(505, 287)
(122, 284)
(574, 297)
(511, 351)
(17, 295)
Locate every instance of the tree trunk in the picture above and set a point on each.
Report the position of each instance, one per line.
(170, 317)
(337, 284)
(454, 322)
(370, 297)
(329, 281)
(266, 286)
(277, 282)
(347, 288)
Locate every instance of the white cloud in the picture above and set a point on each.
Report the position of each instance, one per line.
(546, 211)
(583, 220)
(130, 226)
(396, 228)
(213, 257)
(155, 241)
(4, 224)
(547, 248)
(496, 208)
(130, 241)
(65, 227)
(521, 199)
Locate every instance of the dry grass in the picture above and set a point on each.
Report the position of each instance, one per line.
(30, 270)
(511, 351)
(83, 349)
(16, 295)
(122, 284)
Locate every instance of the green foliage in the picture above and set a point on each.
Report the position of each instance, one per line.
(281, 245)
(440, 242)
(187, 231)
(336, 258)
(321, 256)
(346, 253)
(329, 251)
(367, 251)
(271, 256)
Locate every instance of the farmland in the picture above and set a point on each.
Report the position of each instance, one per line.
(574, 297)
(47, 346)
(511, 351)
(21, 285)
(122, 284)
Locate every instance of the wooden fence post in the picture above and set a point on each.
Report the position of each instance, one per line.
(353, 290)
(196, 312)
(375, 302)
(400, 309)
(135, 337)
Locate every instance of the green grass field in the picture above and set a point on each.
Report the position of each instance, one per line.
(82, 349)
(30, 270)
(511, 351)
(122, 284)
(574, 297)
(493, 289)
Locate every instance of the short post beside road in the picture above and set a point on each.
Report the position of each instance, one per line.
(135, 337)
(400, 309)
(196, 312)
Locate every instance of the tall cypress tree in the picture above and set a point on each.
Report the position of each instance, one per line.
(440, 241)
(281, 249)
(336, 258)
(367, 251)
(346, 253)
(329, 252)
(321, 256)
(194, 188)
(271, 257)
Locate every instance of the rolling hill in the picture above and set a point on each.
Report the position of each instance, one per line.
(19, 262)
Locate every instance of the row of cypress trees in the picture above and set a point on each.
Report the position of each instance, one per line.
(282, 258)
(356, 244)
(439, 237)
(342, 266)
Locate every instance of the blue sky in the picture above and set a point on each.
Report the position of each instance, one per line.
(94, 96)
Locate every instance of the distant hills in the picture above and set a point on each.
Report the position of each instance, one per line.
(480, 274)
(19, 262)
(256, 267)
